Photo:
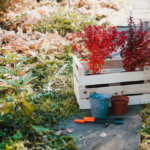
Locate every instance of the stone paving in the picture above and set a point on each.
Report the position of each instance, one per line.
(118, 137)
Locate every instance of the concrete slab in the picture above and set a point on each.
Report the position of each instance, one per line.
(140, 10)
(119, 137)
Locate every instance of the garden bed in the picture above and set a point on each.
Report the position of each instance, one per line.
(109, 82)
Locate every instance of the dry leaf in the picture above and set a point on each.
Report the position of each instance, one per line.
(34, 65)
(69, 130)
(10, 91)
(41, 11)
(1, 83)
(59, 133)
(20, 47)
(51, 35)
(33, 53)
(23, 72)
(1, 106)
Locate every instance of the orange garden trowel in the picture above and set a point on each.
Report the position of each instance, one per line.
(104, 121)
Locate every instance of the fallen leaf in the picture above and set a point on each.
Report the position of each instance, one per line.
(60, 55)
(10, 91)
(34, 65)
(33, 53)
(41, 11)
(23, 72)
(59, 133)
(1, 83)
(69, 130)
(51, 35)
(1, 107)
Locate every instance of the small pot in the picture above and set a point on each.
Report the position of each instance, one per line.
(119, 104)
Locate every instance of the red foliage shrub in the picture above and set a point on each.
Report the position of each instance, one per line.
(100, 43)
(134, 50)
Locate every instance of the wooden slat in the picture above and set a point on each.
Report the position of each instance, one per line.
(108, 64)
(117, 90)
(79, 66)
(77, 62)
(134, 100)
(76, 88)
(75, 71)
(114, 78)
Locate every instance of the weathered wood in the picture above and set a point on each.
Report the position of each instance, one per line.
(75, 71)
(79, 66)
(117, 90)
(133, 100)
(76, 88)
(114, 78)
(108, 64)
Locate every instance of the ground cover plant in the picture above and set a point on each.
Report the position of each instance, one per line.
(29, 116)
(29, 113)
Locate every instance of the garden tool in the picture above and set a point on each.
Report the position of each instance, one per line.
(108, 120)
(99, 122)
(95, 118)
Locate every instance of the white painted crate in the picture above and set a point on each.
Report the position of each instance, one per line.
(81, 81)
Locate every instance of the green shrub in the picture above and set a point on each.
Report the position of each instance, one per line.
(64, 21)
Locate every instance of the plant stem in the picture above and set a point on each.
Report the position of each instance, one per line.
(14, 126)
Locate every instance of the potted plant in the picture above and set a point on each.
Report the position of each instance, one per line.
(134, 49)
(99, 42)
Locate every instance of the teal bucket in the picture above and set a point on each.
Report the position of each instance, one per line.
(99, 105)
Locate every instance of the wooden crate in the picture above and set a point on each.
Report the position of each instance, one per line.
(113, 74)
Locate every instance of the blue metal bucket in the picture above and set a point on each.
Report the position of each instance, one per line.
(99, 104)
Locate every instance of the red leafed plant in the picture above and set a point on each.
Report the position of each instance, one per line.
(100, 43)
(134, 50)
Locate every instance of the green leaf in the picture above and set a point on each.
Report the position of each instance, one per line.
(28, 88)
(41, 58)
(20, 78)
(2, 146)
(14, 56)
(5, 81)
(19, 66)
(70, 54)
(76, 137)
(6, 87)
(8, 147)
(40, 129)
(1, 57)
(26, 107)
(27, 78)
(17, 136)
(5, 70)
(24, 58)
(6, 109)
(16, 82)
